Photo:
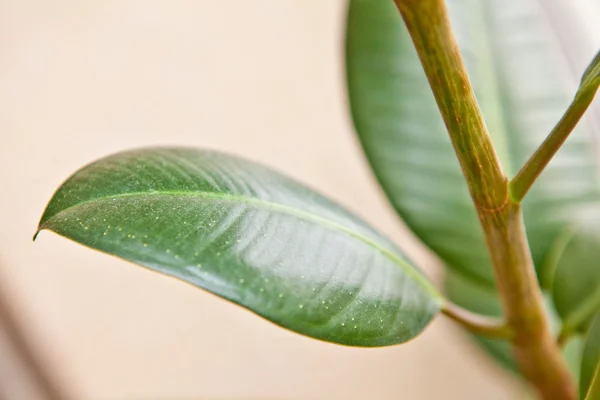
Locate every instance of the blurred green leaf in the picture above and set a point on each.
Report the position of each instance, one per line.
(576, 284)
(514, 66)
(251, 236)
(589, 383)
(517, 68)
(572, 353)
(403, 136)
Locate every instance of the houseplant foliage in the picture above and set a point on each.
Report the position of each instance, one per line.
(460, 164)
(522, 86)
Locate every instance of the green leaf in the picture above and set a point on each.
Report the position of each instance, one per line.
(572, 353)
(573, 263)
(576, 284)
(516, 69)
(589, 384)
(249, 235)
(404, 138)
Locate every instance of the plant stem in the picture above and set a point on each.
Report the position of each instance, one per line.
(428, 26)
(476, 323)
(522, 182)
(535, 349)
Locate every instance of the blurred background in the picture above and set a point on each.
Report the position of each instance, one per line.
(261, 78)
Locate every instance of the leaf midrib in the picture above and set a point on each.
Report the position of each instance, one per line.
(272, 206)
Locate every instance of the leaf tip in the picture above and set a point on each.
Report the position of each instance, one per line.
(37, 232)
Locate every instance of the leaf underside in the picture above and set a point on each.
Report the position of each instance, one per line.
(251, 236)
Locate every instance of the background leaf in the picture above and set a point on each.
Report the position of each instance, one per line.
(517, 65)
(404, 138)
(251, 236)
(591, 361)
(516, 70)
(577, 278)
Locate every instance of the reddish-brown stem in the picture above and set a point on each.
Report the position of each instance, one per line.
(535, 348)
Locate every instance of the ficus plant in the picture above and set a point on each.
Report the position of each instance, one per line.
(484, 158)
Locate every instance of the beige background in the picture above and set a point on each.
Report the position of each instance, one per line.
(260, 78)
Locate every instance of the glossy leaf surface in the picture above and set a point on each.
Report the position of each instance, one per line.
(249, 235)
(516, 68)
(589, 384)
